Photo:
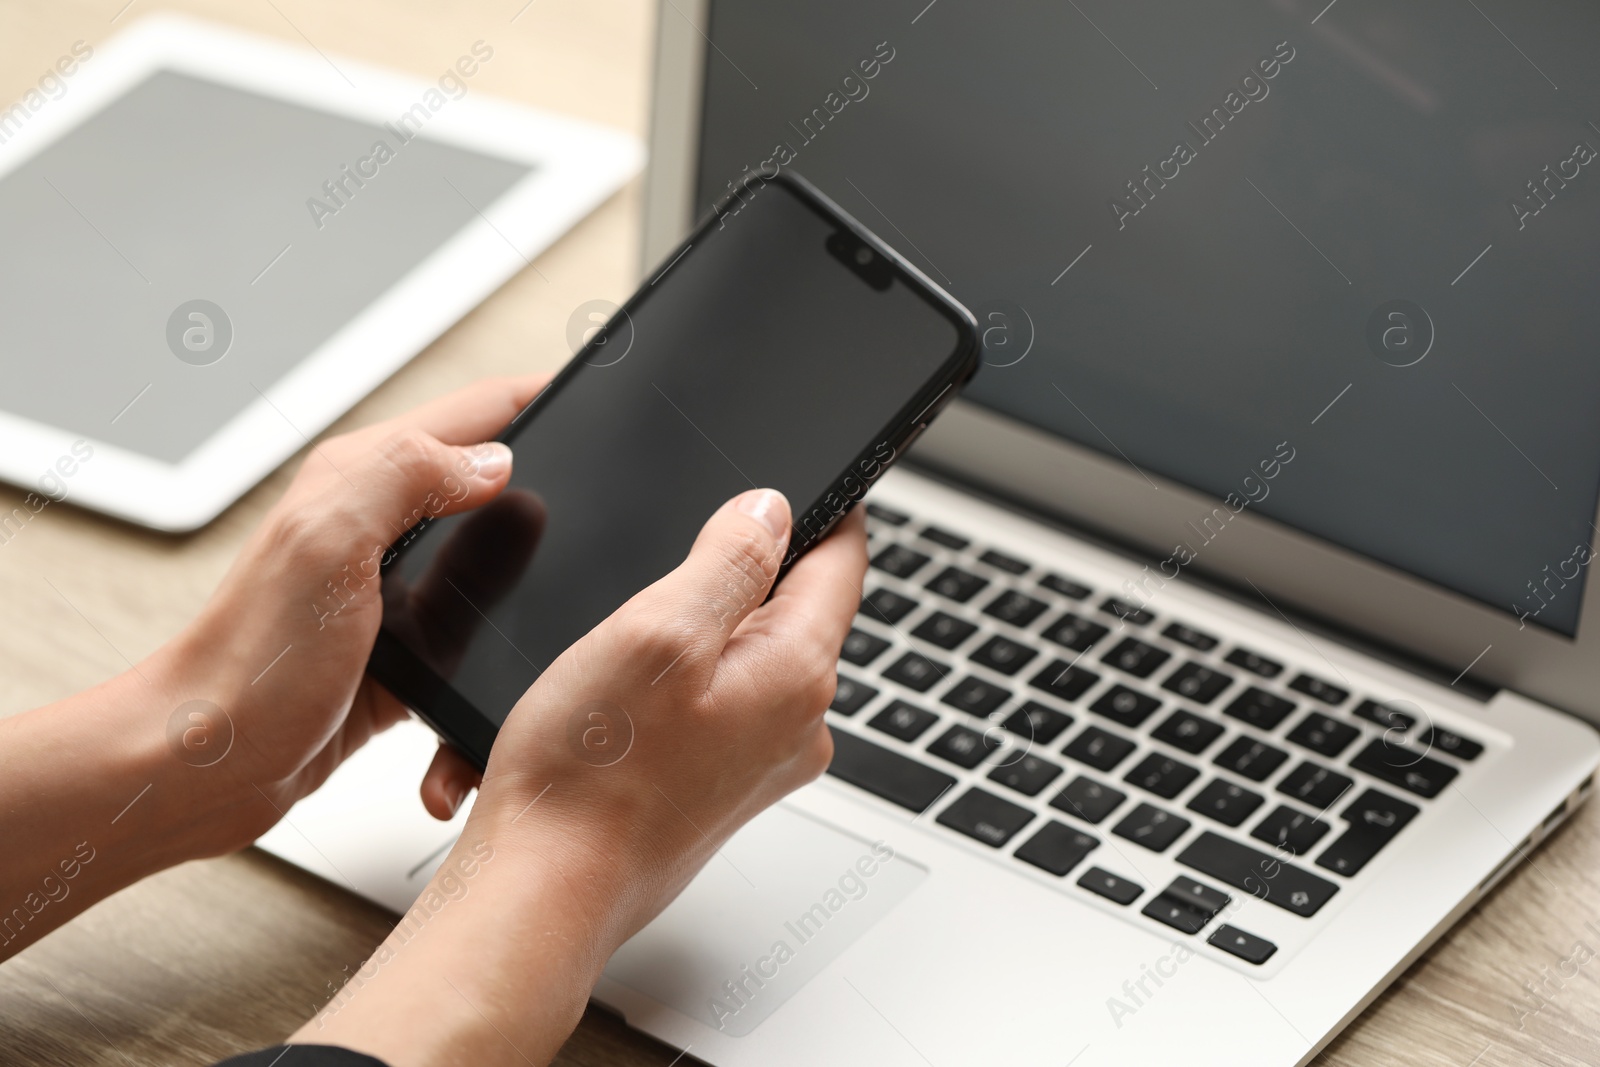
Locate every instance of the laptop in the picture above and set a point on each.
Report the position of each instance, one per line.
(1232, 637)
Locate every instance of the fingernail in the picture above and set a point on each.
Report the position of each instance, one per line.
(490, 460)
(768, 507)
(454, 800)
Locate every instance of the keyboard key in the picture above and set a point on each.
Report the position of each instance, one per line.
(1128, 613)
(1176, 914)
(886, 774)
(1188, 731)
(1324, 735)
(1258, 873)
(957, 584)
(1326, 692)
(887, 606)
(850, 696)
(1384, 715)
(1026, 774)
(1002, 654)
(1187, 905)
(1057, 848)
(985, 817)
(1404, 767)
(1151, 827)
(1064, 681)
(1099, 748)
(1136, 657)
(1375, 818)
(944, 537)
(1200, 684)
(900, 561)
(1088, 799)
(1009, 564)
(1315, 785)
(1259, 708)
(1065, 586)
(1075, 633)
(916, 671)
(1250, 758)
(1225, 802)
(1125, 706)
(1247, 947)
(976, 696)
(1438, 739)
(1185, 635)
(963, 747)
(1161, 775)
(888, 515)
(1197, 895)
(1113, 887)
(902, 720)
(1036, 723)
(1250, 661)
(943, 630)
(1293, 831)
(1018, 609)
(861, 648)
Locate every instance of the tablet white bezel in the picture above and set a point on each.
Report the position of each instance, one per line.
(579, 165)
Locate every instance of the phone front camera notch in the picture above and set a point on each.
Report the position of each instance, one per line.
(862, 260)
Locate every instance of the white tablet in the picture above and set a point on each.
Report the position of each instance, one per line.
(213, 244)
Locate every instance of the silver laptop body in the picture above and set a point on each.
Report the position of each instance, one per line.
(1095, 801)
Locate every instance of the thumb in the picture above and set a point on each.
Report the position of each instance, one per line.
(412, 475)
(730, 569)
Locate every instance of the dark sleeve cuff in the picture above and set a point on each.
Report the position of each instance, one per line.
(303, 1056)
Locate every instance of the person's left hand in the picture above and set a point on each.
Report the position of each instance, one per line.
(282, 645)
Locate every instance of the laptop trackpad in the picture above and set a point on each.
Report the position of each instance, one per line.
(785, 896)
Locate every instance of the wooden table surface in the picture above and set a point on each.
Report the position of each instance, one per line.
(216, 957)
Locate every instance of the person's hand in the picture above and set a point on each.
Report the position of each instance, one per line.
(634, 757)
(692, 708)
(202, 747)
(281, 648)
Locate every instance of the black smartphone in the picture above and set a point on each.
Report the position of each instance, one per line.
(782, 345)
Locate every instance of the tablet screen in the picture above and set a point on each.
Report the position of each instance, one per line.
(178, 252)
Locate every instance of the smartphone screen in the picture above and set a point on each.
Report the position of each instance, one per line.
(777, 350)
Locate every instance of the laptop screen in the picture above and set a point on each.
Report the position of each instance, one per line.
(1332, 263)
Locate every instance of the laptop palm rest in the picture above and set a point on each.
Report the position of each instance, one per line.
(786, 896)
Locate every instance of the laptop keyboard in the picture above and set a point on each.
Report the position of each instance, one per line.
(1040, 716)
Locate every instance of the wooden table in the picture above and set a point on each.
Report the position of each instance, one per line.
(216, 957)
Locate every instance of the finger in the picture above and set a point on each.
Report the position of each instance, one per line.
(727, 574)
(819, 596)
(475, 413)
(406, 477)
(448, 780)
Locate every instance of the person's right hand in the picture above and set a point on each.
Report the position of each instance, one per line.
(707, 697)
(634, 757)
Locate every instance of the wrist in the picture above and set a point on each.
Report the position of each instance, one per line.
(233, 748)
(493, 963)
(602, 847)
(94, 800)
(194, 747)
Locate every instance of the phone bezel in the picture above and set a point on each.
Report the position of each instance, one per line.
(466, 727)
